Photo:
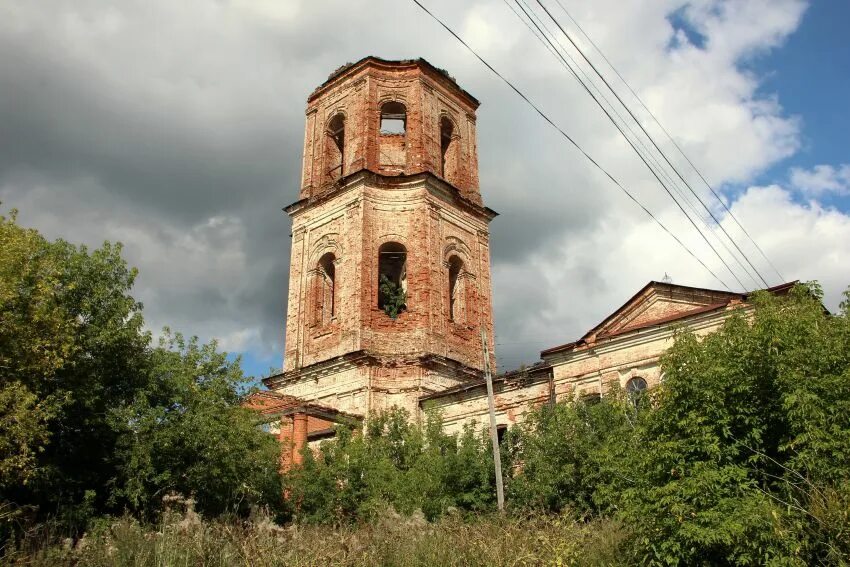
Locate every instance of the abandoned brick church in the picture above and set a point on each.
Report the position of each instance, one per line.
(390, 211)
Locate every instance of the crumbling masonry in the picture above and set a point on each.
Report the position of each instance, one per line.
(389, 195)
(389, 192)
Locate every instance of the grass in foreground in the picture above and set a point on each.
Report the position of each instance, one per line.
(394, 540)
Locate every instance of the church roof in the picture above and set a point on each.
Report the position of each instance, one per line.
(659, 303)
(275, 404)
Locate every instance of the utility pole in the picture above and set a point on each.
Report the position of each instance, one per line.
(494, 435)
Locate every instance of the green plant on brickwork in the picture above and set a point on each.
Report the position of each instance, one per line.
(393, 297)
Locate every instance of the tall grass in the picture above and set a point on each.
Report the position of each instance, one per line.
(392, 541)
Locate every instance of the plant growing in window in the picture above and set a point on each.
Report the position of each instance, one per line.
(393, 296)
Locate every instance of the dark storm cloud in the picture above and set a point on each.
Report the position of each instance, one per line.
(60, 119)
(177, 127)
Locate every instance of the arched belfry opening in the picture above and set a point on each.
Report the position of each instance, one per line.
(335, 148)
(448, 149)
(393, 118)
(393, 134)
(324, 293)
(457, 293)
(392, 276)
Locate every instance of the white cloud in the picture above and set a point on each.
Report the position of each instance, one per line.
(577, 289)
(191, 276)
(177, 128)
(822, 179)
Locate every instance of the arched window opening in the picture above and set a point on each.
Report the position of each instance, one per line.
(326, 289)
(456, 291)
(392, 278)
(393, 118)
(446, 147)
(635, 389)
(335, 147)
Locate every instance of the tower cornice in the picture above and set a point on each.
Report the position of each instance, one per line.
(435, 184)
(348, 70)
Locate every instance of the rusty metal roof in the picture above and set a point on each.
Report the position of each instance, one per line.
(271, 403)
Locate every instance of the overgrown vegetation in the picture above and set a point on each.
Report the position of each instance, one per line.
(741, 456)
(96, 417)
(392, 539)
(394, 464)
(393, 297)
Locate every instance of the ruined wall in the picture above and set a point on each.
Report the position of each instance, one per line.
(352, 226)
(586, 371)
(365, 187)
(513, 399)
(660, 301)
(358, 94)
(334, 227)
(431, 230)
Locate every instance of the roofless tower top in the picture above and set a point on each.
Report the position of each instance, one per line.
(390, 117)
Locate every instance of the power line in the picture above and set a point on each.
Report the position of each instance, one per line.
(570, 139)
(632, 144)
(545, 40)
(607, 84)
(652, 140)
(509, 5)
(669, 137)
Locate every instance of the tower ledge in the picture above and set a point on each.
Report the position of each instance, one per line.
(366, 176)
(350, 69)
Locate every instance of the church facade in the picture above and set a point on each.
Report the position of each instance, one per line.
(389, 300)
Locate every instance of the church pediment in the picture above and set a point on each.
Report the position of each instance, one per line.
(659, 302)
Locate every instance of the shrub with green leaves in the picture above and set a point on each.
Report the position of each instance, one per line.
(393, 463)
(186, 433)
(95, 418)
(568, 456)
(750, 434)
(393, 297)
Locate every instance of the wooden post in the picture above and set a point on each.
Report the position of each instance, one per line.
(494, 434)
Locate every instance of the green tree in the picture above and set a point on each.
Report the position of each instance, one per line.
(187, 433)
(71, 338)
(746, 457)
(393, 463)
(36, 338)
(23, 433)
(90, 410)
(569, 455)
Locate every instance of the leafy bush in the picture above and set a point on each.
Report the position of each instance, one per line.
(393, 463)
(95, 418)
(187, 433)
(568, 456)
(393, 297)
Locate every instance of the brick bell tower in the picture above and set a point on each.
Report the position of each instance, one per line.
(389, 194)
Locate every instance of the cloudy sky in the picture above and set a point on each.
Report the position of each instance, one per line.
(177, 128)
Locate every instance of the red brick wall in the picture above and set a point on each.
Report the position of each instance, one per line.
(352, 219)
(358, 95)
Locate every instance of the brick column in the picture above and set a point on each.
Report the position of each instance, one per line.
(286, 443)
(299, 437)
